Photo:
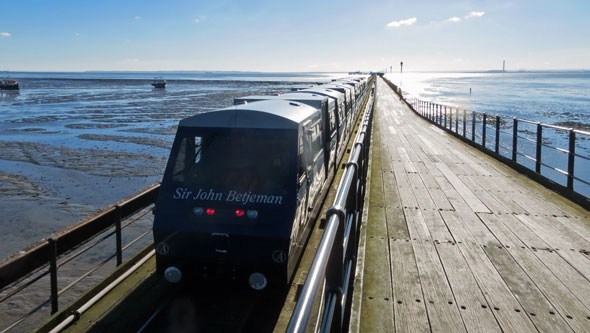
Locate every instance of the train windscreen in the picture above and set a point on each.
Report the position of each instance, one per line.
(250, 162)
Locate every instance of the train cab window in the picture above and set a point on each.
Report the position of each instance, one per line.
(248, 162)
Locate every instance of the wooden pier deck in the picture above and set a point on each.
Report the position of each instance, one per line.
(457, 241)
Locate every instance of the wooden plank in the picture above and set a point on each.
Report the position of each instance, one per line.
(504, 225)
(377, 299)
(465, 193)
(577, 284)
(436, 226)
(467, 227)
(409, 309)
(532, 300)
(416, 224)
(431, 148)
(475, 310)
(574, 312)
(443, 311)
(554, 233)
(396, 223)
(497, 294)
(578, 226)
(376, 303)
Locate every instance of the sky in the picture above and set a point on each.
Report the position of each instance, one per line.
(289, 36)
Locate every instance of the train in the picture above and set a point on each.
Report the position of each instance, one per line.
(243, 184)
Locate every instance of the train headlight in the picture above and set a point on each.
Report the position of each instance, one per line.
(257, 281)
(252, 214)
(198, 211)
(173, 274)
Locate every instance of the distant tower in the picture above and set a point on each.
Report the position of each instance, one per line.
(503, 65)
(401, 67)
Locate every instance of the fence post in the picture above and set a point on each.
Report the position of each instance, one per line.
(464, 123)
(445, 108)
(456, 120)
(118, 236)
(483, 130)
(473, 126)
(53, 274)
(497, 148)
(539, 142)
(514, 139)
(570, 160)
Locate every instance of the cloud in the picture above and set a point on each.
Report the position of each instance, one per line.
(5, 34)
(475, 14)
(197, 20)
(138, 17)
(77, 34)
(454, 19)
(397, 24)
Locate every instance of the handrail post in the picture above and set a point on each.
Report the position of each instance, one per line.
(118, 237)
(456, 120)
(539, 142)
(483, 130)
(497, 148)
(514, 139)
(53, 274)
(571, 159)
(464, 122)
(445, 108)
(473, 126)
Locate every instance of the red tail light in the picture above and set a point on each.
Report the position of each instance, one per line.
(210, 211)
(240, 212)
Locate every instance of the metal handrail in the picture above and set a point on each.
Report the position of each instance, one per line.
(334, 263)
(45, 254)
(437, 114)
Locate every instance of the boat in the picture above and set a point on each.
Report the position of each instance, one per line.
(9, 84)
(159, 82)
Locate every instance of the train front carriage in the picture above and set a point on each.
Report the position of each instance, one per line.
(327, 106)
(232, 202)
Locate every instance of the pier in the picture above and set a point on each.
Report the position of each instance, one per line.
(450, 239)
(458, 241)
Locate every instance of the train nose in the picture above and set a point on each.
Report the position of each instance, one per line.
(173, 274)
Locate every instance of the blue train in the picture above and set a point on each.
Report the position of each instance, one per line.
(243, 184)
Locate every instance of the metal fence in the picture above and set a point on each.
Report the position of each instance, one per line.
(552, 154)
(327, 292)
(45, 259)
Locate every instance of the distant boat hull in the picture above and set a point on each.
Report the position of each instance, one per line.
(159, 83)
(13, 85)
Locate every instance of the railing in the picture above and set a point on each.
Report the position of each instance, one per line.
(24, 270)
(332, 270)
(523, 144)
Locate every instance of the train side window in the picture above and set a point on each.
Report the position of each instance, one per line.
(179, 164)
(301, 158)
(189, 154)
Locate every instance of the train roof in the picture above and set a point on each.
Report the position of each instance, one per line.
(267, 114)
(313, 100)
(323, 90)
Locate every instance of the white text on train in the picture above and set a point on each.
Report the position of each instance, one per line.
(245, 198)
